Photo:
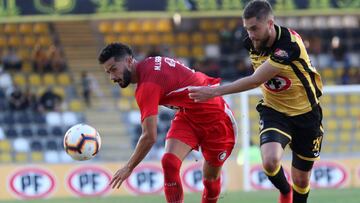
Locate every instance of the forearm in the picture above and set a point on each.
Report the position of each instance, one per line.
(239, 85)
(141, 150)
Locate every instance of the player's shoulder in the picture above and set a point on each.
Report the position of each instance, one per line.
(285, 38)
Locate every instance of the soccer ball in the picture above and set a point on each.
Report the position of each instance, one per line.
(82, 142)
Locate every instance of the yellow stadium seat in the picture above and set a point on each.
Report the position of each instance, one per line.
(212, 38)
(326, 99)
(330, 137)
(24, 54)
(26, 67)
(105, 27)
(41, 28)
(197, 51)
(3, 41)
(124, 104)
(14, 41)
(49, 79)
(340, 99)
(331, 124)
(232, 23)
(19, 79)
(34, 79)
(119, 27)
(148, 26)
(5, 146)
(153, 39)
(219, 24)
(182, 51)
(197, 38)
(343, 148)
(10, 28)
(182, 38)
(134, 26)
(60, 91)
(345, 137)
(328, 73)
(63, 79)
(338, 72)
(29, 41)
(163, 26)
(110, 39)
(138, 40)
(21, 157)
(347, 124)
(253, 114)
(127, 92)
(355, 148)
(357, 137)
(206, 25)
(354, 111)
(5, 157)
(327, 113)
(340, 112)
(327, 149)
(168, 39)
(76, 105)
(354, 99)
(126, 39)
(37, 156)
(45, 40)
(254, 127)
(25, 28)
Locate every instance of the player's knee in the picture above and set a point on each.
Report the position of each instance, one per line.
(271, 163)
(301, 180)
(170, 163)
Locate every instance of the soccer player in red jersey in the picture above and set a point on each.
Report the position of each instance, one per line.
(207, 125)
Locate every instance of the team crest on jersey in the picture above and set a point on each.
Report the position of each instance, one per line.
(278, 83)
(281, 53)
(222, 156)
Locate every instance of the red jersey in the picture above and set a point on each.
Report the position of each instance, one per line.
(164, 81)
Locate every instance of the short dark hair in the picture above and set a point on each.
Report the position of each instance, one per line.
(257, 8)
(116, 49)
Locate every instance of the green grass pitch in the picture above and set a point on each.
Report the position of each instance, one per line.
(316, 196)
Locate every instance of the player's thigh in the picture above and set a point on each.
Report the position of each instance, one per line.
(181, 138)
(307, 140)
(218, 142)
(177, 147)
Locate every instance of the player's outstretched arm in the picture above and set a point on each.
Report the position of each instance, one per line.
(262, 74)
(146, 141)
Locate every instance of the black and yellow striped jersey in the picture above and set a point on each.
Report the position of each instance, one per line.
(298, 86)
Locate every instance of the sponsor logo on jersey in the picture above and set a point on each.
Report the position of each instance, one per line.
(222, 156)
(260, 181)
(328, 175)
(192, 178)
(281, 53)
(278, 83)
(89, 181)
(31, 183)
(146, 179)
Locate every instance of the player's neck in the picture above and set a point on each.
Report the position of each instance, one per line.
(134, 75)
(272, 37)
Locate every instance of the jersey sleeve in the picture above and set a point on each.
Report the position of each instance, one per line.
(284, 54)
(148, 97)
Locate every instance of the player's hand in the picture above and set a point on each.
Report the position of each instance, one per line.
(119, 177)
(200, 94)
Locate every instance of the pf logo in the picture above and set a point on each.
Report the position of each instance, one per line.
(146, 179)
(328, 175)
(193, 176)
(89, 181)
(32, 183)
(259, 180)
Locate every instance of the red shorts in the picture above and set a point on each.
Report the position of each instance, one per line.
(216, 140)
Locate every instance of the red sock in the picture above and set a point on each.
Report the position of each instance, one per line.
(172, 182)
(211, 191)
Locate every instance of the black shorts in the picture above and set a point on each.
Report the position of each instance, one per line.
(303, 132)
